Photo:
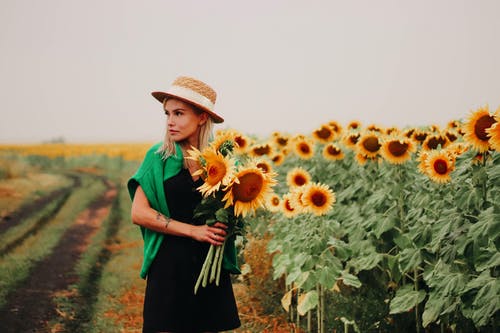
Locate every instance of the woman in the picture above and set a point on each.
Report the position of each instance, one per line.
(164, 195)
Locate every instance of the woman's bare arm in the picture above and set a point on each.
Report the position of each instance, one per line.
(145, 216)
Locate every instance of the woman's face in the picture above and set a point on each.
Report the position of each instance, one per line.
(183, 122)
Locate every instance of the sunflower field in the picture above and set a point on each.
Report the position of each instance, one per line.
(366, 229)
(386, 229)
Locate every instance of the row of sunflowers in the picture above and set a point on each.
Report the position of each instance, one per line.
(408, 221)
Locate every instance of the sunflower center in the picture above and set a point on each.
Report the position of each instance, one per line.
(299, 180)
(452, 137)
(241, 142)
(215, 173)
(288, 206)
(334, 151)
(441, 167)
(318, 199)
(435, 141)
(324, 133)
(397, 148)
(263, 166)
(420, 137)
(282, 141)
(371, 144)
(249, 187)
(275, 201)
(263, 150)
(481, 125)
(304, 148)
(353, 139)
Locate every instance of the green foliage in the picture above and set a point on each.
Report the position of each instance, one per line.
(434, 247)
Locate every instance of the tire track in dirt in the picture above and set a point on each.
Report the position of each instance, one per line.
(26, 210)
(30, 307)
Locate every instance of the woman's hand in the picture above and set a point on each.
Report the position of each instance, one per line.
(214, 235)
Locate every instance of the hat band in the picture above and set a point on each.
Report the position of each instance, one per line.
(191, 95)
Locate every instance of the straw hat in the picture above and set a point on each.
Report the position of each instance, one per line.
(192, 91)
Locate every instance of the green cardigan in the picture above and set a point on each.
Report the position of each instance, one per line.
(153, 171)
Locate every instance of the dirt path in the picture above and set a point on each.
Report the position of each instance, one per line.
(31, 306)
(23, 212)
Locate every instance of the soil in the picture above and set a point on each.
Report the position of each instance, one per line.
(23, 212)
(30, 307)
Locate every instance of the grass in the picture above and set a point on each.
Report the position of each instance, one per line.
(15, 265)
(14, 192)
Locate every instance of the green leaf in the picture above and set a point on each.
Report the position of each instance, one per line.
(486, 303)
(328, 275)
(409, 259)
(222, 215)
(383, 225)
(406, 299)
(366, 262)
(433, 308)
(341, 249)
(350, 280)
(307, 302)
(487, 258)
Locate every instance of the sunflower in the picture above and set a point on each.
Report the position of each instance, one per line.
(409, 132)
(457, 148)
(249, 190)
(318, 198)
(361, 159)
(297, 177)
(296, 199)
(261, 150)
(369, 144)
(420, 136)
(332, 152)
(280, 140)
(454, 124)
(397, 150)
(434, 129)
(494, 132)
(354, 125)
(434, 141)
(242, 143)
(335, 126)
(374, 128)
(324, 134)
(475, 129)
(277, 159)
(350, 140)
(287, 208)
(422, 161)
(452, 135)
(439, 165)
(392, 131)
(303, 148)
(265, 166)
(224, 139)
(216, 171)
(273, 203)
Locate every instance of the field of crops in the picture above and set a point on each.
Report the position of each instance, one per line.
(370, 229)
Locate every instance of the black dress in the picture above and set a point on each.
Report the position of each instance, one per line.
(170, 304)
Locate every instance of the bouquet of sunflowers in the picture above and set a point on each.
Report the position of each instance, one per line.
(233, 187)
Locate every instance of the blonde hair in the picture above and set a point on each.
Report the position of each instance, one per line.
(205, 136)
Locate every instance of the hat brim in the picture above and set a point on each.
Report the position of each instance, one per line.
(160, 96)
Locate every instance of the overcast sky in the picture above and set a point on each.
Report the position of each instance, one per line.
(84, 69)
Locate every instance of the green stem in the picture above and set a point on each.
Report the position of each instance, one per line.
(213, 269)
(415, 281)
(210, 257)
(318, 313)
(203, 269)
(219, 264)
